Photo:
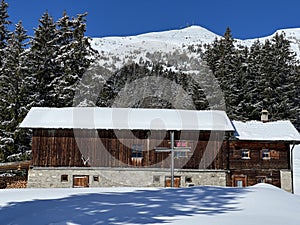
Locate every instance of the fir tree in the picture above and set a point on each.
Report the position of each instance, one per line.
(263, 77)
(253, 87)
(91, 85)
(74, 56)
(222, 58)
(155, 88)
(42, 60)
(14, 95)
(278, 78)
(4, 22)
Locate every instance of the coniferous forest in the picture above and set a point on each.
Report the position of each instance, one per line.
(40, 71)
(46, 70)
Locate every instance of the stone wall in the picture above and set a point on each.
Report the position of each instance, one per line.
(286, 180)
(43, 177)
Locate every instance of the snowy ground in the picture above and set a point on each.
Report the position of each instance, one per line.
(261, 204)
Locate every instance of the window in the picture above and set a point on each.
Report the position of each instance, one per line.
(188, 180)
(239, 183)
(245, 153)
(96, 178)
(64, 178)
(261, 179)
(137, 151)
(265, 154)
(156, 179)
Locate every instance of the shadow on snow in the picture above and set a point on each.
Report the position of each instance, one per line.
(137, 207)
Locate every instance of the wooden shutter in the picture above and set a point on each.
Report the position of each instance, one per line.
(274, 154)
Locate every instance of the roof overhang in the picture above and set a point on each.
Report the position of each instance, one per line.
(126, 118)
(283, 131)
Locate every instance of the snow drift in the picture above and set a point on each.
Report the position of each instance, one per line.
(260, 204)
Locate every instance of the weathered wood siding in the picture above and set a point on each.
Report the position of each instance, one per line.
(109, 148)
(256, 169)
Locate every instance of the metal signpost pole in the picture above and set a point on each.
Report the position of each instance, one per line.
(172, 158)
(173, 149)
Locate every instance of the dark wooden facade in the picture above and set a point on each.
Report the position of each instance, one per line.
(252, 162)
(125, 148)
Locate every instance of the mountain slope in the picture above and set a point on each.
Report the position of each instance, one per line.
(179, 48)
(158, 46)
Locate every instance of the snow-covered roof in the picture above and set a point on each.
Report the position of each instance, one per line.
(126, 118)
(270, 131)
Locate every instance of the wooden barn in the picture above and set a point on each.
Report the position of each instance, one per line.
(98, 147)
(104, 147)
(260, 152)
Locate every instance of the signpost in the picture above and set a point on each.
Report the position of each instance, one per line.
(173, 149)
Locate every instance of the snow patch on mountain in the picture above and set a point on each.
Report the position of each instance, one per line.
(176, 46)
(292, 34)
(155, 41)
(179, 48)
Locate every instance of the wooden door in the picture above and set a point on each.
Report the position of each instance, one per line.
(240, 181)
(80, 181)
(176, 181)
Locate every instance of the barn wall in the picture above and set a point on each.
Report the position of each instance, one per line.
(45, 177)
(108, 148)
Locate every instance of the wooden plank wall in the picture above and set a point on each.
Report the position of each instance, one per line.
(109, 148)
(279, 158)
(256, 167)
(271, 176)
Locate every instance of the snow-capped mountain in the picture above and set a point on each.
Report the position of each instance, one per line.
(292, 34)
(179, 48)
(168, 46)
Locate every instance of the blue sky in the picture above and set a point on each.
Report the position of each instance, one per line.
(247, 19)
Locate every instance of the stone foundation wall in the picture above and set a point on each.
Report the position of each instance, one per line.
(286, 180)
(43, 177)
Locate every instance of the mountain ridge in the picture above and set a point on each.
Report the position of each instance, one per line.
(117, 51)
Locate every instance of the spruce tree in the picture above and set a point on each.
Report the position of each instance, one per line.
(4, 23)
(74, 56)
(254, 84)
(87, 92)
(239, 104)
(222, 58)
(14, 96)
(155, 88)
(42, 63)
(278, 78)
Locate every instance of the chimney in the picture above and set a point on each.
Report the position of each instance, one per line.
(264, 116)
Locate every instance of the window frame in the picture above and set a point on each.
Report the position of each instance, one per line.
(267, 152)
(137, 151)
(96, 178)
(247, 151)
(64, 178)
(261, 179)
